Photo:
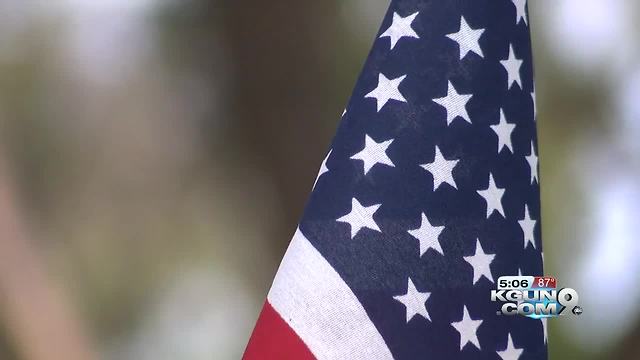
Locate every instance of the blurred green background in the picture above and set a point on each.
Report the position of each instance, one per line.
(155, 157)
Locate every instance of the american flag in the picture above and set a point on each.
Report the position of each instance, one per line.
(428, 194)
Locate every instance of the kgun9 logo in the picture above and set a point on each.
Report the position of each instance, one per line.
(535, 297)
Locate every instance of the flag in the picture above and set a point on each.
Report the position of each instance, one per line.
(428, 194)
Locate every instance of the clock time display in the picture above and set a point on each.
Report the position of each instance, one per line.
(526, 282)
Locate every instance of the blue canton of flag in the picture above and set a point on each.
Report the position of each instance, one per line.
(429, 193)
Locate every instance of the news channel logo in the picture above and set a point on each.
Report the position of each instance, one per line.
(535, 297)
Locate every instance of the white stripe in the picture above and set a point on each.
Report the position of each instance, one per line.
(321, 308)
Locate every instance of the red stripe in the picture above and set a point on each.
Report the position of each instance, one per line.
(272, 338)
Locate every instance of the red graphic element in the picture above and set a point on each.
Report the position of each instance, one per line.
(544, 282)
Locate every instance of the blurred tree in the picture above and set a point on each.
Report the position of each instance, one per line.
(286, 74)
(282, 92)
(39, 319)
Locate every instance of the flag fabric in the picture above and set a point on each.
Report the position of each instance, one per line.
(428, 194)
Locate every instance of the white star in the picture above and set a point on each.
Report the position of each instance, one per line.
(373, 153)
(480, 263)
(455, 104)
(467, 39)
(386, 90)
(504, 131)
(535, 108)
(441, 169)
(323, 168)
(427, 235)
(521, 12)
(360, 217)
(545, 331)
(527, 224)
(414, 301)
(493, 196)
(511, 352)
(532, 159)
(468, 329)
(400, 27)
(512, 65)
